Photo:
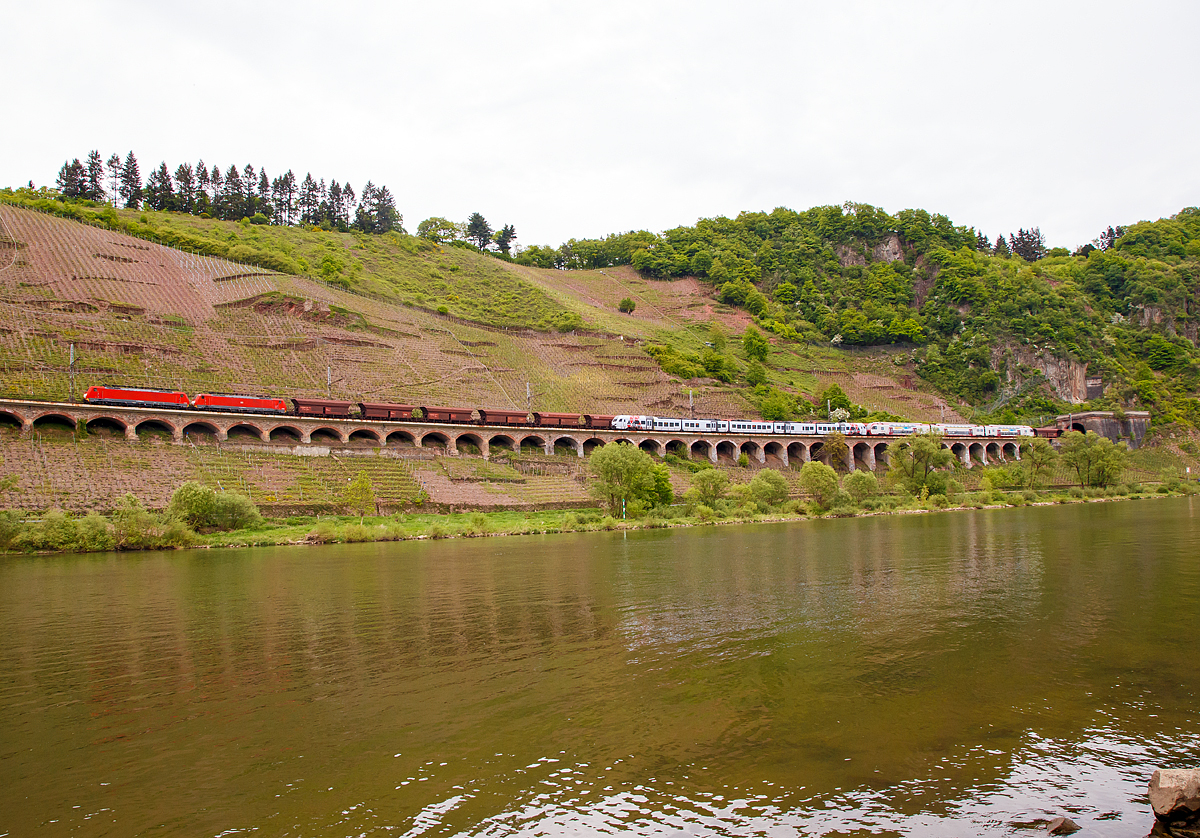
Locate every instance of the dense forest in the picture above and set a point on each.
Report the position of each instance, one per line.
(979, 318)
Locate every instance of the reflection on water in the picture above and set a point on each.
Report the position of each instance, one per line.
(951, 674)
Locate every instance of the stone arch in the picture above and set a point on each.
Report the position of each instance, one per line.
(1011, 451)
(246, 429)
(324, 436)
(959, 450)
(368, 436)
(726, 450)
(107, 426)
(591, 444)
(435, 439)
(752, 450)
(9, 421)
(993, 453)
(1078, 426)
(202, 431)
(57, 424)
(155, 426)
(399, 438)
(568, 442)
(471, 444)
(797, 452)
(650, 446)
(882, 454)
(817, 453)
(677, 447)
(863, 453)
(774, 450)
(502, 442)
(704, 449)
(285, 433)
(533, 442)
(975, 452)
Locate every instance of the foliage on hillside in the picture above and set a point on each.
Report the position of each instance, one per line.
(857, 276)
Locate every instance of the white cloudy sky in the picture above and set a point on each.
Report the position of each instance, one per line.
(575, 120)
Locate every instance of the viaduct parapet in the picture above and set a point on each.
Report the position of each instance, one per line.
(1130, 426)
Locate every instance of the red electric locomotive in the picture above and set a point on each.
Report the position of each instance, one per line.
(136, 397)
(239, 404)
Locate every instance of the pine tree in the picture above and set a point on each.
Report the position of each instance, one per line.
(309, 201)
(505, 237)
(233, 201)
(114, 176)
(363, 220)
(71, 179)
(335, 206)
(160, 192)
(1001, 248)
(131, 182)
(185, 193)
(383, 211)
(1028, 244)
(95, 177)
(479, 231)
(983, 244)
(264, 196)
(348, 201)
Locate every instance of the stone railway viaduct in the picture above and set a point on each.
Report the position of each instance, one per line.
(323, 433)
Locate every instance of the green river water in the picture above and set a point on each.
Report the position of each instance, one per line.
(966, 673)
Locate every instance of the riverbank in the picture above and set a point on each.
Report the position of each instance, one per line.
(58, 533)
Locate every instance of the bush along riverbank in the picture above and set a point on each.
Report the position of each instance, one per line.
(199, 517)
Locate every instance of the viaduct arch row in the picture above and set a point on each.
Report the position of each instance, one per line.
(188, 426)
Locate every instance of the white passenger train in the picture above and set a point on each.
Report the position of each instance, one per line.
(738, 426)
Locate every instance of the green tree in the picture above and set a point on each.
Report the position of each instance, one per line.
(833, 397)
(479, 231)
(131, 183)
(626, 306)
(819, 481)
(756, 374)
(194, 504)
(861, 485)
(1038, 458)
(438, 229)
(708, 487)
(623, 477)
(768, 488)
(1095, 460)
(505, 236)
(834, 446)
(663, 493)
(360, 495)
(916, 461)
(754, 344)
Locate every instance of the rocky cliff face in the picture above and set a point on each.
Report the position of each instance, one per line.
(1146, 316)
(1068, 378)
(888, 250)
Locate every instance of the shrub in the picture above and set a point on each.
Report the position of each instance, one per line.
(323, 533)
(10, 528)
(768, 488)
(626, 306)
(704, 514)
(93, 534)
(438, 531)
(743, 460)
(193, 503)
(234, 512)
(1075, 492)
(861, 485)
(608, 522)
(820, 481)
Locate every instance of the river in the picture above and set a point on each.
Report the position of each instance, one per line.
(966, 673)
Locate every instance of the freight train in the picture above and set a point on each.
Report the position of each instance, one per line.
(378, 411)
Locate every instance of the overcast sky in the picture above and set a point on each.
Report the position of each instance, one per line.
(577, 120)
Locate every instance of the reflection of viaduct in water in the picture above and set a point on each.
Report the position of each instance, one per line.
(309, 435)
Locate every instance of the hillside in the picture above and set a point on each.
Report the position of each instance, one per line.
(389, 317)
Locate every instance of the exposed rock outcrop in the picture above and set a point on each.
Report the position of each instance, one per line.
(888, 250)
(1068, 378)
